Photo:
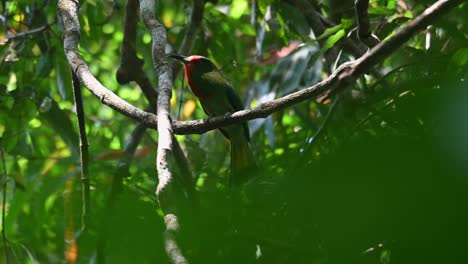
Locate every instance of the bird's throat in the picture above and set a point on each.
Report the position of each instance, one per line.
(191, 82)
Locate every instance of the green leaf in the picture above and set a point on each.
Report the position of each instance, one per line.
(247, 29)
(380, 11)
(347, 22)
(44, 66)
(10, 139)
(460, 57)
(59, 121)
(263, 4)
(293, 18)
(238, 8)
(391, 4)
(330, 31)
(63, 76)
(335, 38)
(408, 14)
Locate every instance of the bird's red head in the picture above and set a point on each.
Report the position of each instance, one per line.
(189, 62)
(194, 67)
(192, 61)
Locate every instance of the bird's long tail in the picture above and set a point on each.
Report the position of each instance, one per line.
(243, 164)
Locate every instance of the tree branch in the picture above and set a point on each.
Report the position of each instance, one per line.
(315, 22)
(130, 69)
(68, 11)
(363, 21)
(29, 32)
(166, 186)
(354, 69)
(83, 151)
(344, 75)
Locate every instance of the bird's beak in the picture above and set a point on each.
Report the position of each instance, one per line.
(180, 58)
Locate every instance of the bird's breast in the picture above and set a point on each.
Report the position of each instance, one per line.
(194, 84)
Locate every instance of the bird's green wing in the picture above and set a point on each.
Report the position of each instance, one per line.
(216, 83)
(236, 103)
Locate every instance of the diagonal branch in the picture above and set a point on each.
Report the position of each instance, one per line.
(68, 11)
(29, 32)
(341, 78)
(343, 75)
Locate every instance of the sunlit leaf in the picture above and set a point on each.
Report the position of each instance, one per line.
(460, 57)
(381, 11)
(238, 8)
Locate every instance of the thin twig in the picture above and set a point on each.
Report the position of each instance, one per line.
(29, 32)
(4, 185)
(317, 26)
(326, 121)
(310, 141)
(373, 113)
(83, 151)
(388, 74)
(19, 35)
(364, 26)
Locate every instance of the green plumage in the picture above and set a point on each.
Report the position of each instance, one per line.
(217, 98)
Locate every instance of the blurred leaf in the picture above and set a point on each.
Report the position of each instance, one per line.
(381, 11)
(288, 73)
(189, 108)
(460, 57)
(11, 138)
(347, 22)
(109, 155)
(238, 8)
(330, 31)
(294, 19)
(408, 14)
(58, 120)
(391, 3)
(44, 66)
(63, 75)
(331, 41)
(263, 4)
(145, 151)
(270, 132)
(275, 55)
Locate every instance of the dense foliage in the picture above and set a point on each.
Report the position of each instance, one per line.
(384, 180)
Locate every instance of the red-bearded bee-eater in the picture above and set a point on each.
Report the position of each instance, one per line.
(218, 97)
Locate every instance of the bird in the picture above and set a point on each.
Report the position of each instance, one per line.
(217, 97)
